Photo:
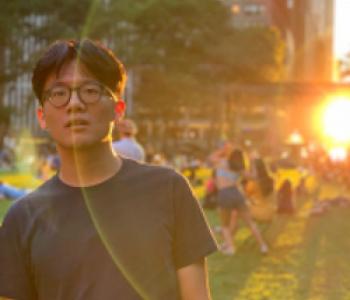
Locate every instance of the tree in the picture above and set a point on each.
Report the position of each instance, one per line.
(251, 55)
(180, 49)
(190, 49)
(9, 23)
(5, 114)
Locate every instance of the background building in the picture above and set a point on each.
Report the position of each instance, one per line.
(307, 28)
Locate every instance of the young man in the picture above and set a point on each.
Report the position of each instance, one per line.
(104, 227)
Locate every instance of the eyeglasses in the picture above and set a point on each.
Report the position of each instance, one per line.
(88, 93)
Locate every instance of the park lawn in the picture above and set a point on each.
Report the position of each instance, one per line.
(19, 180)
(4, 206)
(308, 260)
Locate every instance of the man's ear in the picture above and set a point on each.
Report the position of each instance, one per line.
(41, 117)
(119, 109)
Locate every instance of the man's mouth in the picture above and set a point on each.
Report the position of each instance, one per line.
(76, 123)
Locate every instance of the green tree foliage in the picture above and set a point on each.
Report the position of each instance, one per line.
(61, 19)
(25, 21)
(196, 50)
(179, 49)
(251, 55)
(174, 38)
(177, 33)
(9, 24)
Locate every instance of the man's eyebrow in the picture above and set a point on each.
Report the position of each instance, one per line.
(59, 81)
(75, 84)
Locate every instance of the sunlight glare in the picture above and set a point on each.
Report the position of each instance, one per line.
(338, 154)
(336, 120)
(295, 138)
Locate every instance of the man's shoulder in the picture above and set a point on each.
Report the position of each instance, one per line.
(150, 171)
(27, 213)
(44, 190)
(34, 199)
(133, 166)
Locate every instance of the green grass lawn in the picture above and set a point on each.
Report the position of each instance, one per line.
(4, 205)
(308, 259)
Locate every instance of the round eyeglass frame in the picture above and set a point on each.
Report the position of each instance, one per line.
(104, 91)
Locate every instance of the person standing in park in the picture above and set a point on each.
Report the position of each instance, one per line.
(104, 227)
(229, 168)
(127, 145)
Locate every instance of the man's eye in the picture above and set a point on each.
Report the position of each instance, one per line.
(58, 93)
(91, 90)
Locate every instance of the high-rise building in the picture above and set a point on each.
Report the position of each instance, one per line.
(307, 28)
(311, 24)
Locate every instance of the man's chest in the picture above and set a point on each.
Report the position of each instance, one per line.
(94, 240)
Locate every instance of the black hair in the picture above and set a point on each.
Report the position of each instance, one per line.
(284, 198)
(264, 179)
(95, 57)
(285, 189)
(236, 160)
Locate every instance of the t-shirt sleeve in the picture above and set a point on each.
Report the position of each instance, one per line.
(15, 279)
(193, 239)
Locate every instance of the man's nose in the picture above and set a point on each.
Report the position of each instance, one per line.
(75, 101)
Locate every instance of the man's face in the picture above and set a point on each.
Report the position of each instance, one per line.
(77, 125)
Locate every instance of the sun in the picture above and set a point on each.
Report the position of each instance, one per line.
(336, 120)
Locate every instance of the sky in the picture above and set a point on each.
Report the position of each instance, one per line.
(342, 28)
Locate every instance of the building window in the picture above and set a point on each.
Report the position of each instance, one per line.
(254, 9)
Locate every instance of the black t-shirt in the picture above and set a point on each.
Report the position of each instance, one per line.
(122, 239)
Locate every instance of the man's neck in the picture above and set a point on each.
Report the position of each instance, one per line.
(88, 166)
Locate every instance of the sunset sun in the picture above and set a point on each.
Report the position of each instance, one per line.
(336, 120)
